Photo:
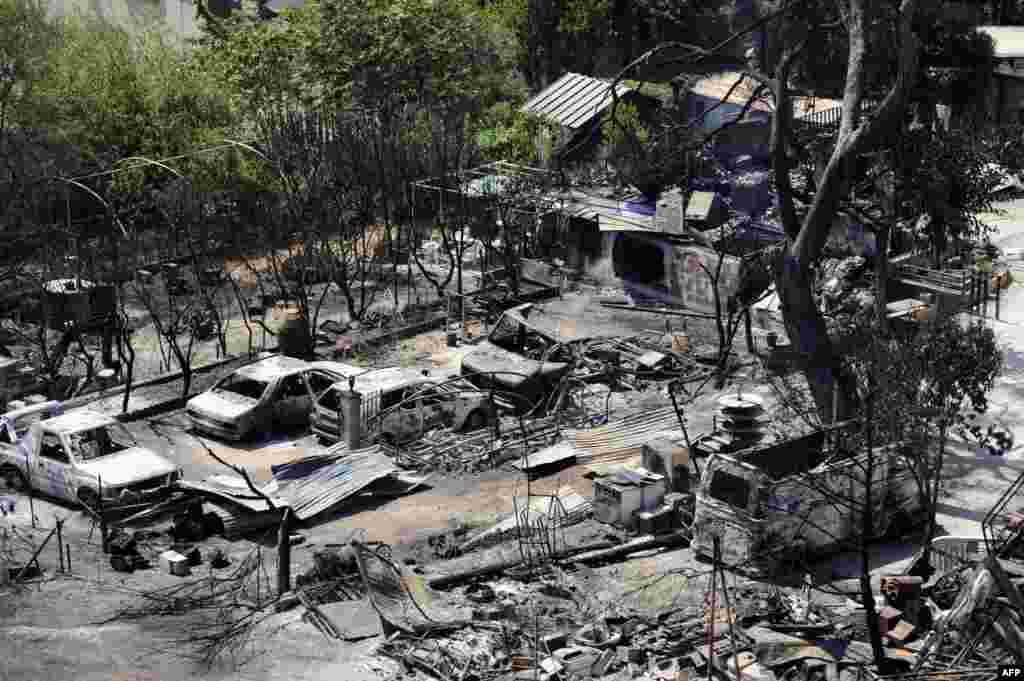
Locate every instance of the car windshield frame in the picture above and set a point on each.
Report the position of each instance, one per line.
(88, 445)
(506, 332)
(232, 381)
(729, 488)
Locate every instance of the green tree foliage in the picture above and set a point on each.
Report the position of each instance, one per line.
(373, 52)
(262, 65)
(508, 134)
(129, 93)
(945, 372)
(952, 181)
(27, 42)
(553, 36)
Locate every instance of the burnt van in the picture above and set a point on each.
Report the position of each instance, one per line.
(800, 497)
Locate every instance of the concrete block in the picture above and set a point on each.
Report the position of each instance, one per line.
(550, 665)
(173, 563)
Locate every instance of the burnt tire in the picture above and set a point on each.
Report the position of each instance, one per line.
(475, 421)
(13, 479)
(89, 497)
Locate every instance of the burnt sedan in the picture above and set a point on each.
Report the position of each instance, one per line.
(521, 359)
(275, 392)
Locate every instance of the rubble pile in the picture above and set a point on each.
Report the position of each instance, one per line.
(449, 451)
(551, 626)
(844, 290)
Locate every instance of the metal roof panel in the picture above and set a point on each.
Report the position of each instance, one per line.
(1007, 41)
(573, 99)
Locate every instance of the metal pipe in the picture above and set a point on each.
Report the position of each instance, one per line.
(60, 544)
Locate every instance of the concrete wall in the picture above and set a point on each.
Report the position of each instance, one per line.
(179, 16)
(692, 286)
(685, 281)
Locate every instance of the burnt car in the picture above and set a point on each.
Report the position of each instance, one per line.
(278, 391)
(80, 455)
(399, 405)
(521, 359)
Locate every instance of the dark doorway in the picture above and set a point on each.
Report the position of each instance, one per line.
(640, 263)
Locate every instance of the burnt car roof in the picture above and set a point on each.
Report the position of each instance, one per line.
(273, 367)
(570, 320)
(77, 421)
(389, 378)
(339, 368)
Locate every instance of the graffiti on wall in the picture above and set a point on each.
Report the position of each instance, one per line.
(692, 283)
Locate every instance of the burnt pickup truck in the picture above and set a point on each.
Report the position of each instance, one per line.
(79, 456)
(767, 504)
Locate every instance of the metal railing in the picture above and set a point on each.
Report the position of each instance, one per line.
(973, 289)
(998, 527)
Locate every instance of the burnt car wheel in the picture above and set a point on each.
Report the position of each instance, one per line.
(475, 421)
(13, 479)
(89, 497)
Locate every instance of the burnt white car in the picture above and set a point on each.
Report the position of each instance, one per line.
(278, 391)
(80, 456)
(400, 404)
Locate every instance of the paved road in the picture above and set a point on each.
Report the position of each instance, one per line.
(974, 480)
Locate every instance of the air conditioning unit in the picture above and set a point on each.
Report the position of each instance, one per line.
(668, 458)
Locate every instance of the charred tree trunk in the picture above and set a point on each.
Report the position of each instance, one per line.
(805, 326)
(806, 236)
(126, 355)
(882, 275)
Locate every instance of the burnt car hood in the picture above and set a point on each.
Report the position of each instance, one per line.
(489, 357)
(131, 465)
(222, 405)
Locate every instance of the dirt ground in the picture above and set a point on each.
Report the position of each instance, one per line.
(53, 628)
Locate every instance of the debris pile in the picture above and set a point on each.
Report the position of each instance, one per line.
(449, 451)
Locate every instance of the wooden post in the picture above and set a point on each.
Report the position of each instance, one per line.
(35, 556)
(60, 544)
(103, 517)
(999, 289)
(68, 564)
(31, 494)
(284, 555)
(985, 293)
(749, 331)
(728, 608)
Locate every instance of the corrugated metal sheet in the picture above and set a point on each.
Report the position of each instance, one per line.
(308, 486)
(623, 439)
(629, 208)
(562, 451)
(238, 494)
(316, 484)
(573, 100)
(239, 521)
